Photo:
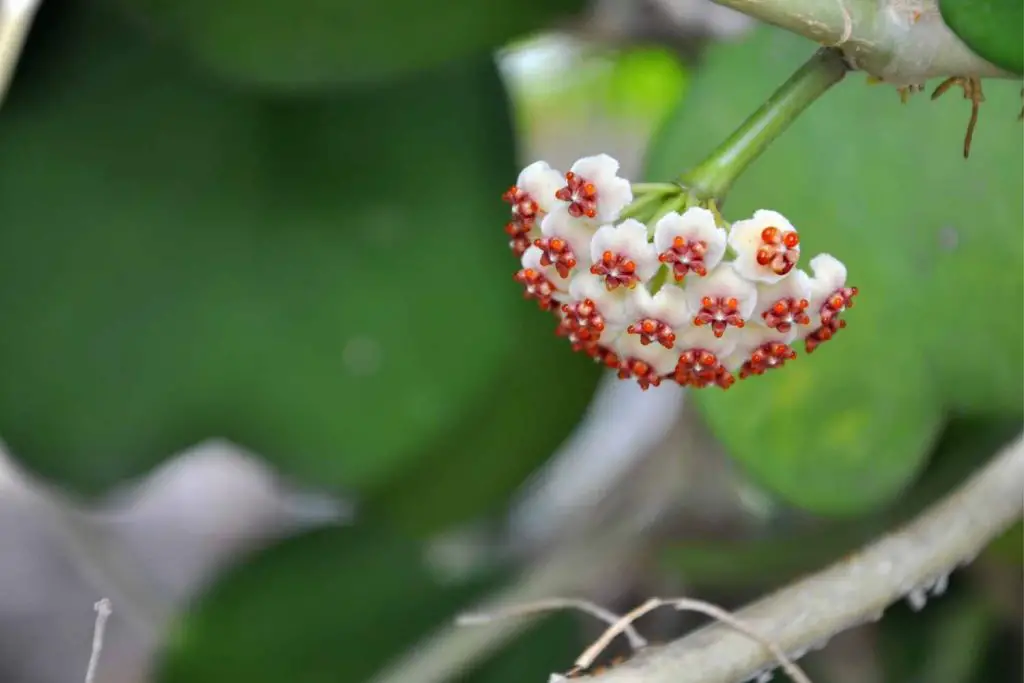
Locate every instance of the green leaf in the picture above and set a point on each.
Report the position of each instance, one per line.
(324, 281)
(932, 241)
(775, 559)
(947, 642)
(338, 605)
(302, 44)
(992, 28)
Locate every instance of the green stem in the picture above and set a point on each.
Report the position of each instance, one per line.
(713, 177)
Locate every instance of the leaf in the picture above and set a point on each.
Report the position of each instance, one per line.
(286, 45)
(992, 28)
(774, 559)
(932, 242)
(948, 642)
(338, 605)
(324, 281)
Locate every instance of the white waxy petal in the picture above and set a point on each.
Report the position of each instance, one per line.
(668, 306)
(829, 275)
(784, 304)
(691, 242)
(614, 305)
(661, 318)
(615, 247)
(578, 234)
(721, 285)
(752, 337)
(531, 259)
(704, 339)
(541, 182)
(612, 193)
(628, 346)
(747, 238)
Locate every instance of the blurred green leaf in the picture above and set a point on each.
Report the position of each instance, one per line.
(946, 642)
(992, 28)
(646, 82)
(1007, 546)
(304, 44)
(774, 559)
(932, 241)
(336, 606)
(323, 280)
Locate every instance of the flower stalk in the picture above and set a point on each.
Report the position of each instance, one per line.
(712, 178)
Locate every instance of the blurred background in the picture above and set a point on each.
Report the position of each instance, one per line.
(266, 382)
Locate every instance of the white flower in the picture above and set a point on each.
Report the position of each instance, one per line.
(783, 305)
(760, 349)
(767, 246)
(689, 243)
(700, 368)
(703, 338)
(531, 198)
(829, 294)
(829, 298)
(541, 282)
(622, 255)
(576, 234)
(647, 363)
(660, 318)
(722, 299)
(541, 182)
(594, 190)
(592, 313)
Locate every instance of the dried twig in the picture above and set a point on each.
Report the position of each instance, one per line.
(636, 641)
(623, 625)
(691, 605)
(103, 612)
(972, 92)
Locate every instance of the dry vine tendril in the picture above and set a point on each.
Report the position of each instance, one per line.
(649, 279)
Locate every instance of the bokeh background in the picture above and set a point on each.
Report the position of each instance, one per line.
(266, 382)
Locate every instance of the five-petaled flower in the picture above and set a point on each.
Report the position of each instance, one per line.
(684, 299)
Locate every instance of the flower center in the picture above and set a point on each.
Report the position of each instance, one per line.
(700, 368)
(823, 334)
(603, 354)
(785, 313)
(719, 312)
(778, 250)
(644, 373)
(582, 323)
(581, 195)
(767, 357)
(524, 208)
(520, 240)
(651, 330)
(685, 256)
(557, 253)
(536, 286)
(617, 270)
(837, 302)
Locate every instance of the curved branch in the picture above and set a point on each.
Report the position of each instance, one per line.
(908, 563)
(903, 42)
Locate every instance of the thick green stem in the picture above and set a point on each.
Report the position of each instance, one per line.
(713, 177)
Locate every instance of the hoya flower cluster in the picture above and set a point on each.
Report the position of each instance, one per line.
(679, 297)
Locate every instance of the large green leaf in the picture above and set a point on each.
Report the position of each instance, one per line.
(324, 280)
(775, 559)
(301, 44)
(932, 241)
(335, 607)
(992, 28)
